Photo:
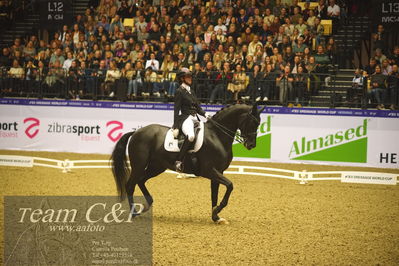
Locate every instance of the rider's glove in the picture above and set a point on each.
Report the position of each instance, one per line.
(175, 133)
(208, 116)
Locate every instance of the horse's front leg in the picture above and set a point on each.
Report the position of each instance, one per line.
(219, 178)
(214, 198)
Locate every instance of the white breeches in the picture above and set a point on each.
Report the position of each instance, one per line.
(188, 127)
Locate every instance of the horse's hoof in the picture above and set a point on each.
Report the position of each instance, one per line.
(222, 221)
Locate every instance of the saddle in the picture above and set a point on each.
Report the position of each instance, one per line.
(173, 144)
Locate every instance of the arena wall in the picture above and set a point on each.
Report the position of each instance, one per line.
(289, 135)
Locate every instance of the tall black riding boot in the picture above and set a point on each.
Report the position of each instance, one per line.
(180, 157)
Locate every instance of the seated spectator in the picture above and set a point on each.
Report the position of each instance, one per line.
(380, 39)
(300, 86)
(313, 71)
(113, 74)
(294, 37)
(86, 81)
(288, 27)
(284, 83)
(206, 80)
(221, 26)
(394, 59)
(296, 16)
(301, 26)
(379, 56)
(55, 80)
(16, 75)
(150, 77)
(393, 87)
(68, 62)
(311, 19)
(306, 11)
(116, 22)
(5, 58)
(283, 15)
(318, 31)
(100, 32)
(221, 38)
(322, 9)
(281, 47)
(57, 56)
(254, 87)
(333, 13)
(378, 89)
(103, 23)
(269, 17)
(356, 87)
(299, 47)
(253, 44)
(29, 51)
(17, 46)
(278, 37)
(222, 80)
(295, 64)
(386, 68)
(137, 81)
(268, 84)
(247, 36)
(73, 82)
(152, 62)
(322, 60)
(370, 68)
(275, 26)
(238, 82)
(180, 24)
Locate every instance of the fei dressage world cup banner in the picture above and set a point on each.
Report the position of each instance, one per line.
(287, 135)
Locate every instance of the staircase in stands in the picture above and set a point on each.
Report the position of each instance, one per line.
(348, 41)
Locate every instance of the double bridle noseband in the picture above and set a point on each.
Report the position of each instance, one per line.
(239, 137)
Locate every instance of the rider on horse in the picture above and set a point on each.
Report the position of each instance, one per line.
(186, 111)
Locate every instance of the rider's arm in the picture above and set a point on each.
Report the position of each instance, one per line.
(200, 111)
(178, 101)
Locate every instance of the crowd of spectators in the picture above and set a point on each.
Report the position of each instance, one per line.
(378, 82)
(259, 49)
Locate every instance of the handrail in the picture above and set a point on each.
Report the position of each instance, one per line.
(302, 176)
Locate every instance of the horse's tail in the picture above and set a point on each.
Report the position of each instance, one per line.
(120, 169)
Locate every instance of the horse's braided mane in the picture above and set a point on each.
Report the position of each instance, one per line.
(217, 114)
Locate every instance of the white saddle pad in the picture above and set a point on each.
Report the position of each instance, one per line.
(171, 144)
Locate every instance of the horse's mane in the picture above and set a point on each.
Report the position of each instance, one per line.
(223, 110)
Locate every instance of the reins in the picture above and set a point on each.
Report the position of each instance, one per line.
(240, 138)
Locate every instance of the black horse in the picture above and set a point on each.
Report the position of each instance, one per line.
(148, 158)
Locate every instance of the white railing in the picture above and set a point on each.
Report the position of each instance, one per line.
(302, 176)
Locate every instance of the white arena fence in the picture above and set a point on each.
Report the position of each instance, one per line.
(302, 176)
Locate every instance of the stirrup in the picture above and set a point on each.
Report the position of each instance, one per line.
(179, 166)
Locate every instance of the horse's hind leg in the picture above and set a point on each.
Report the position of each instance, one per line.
(150, 172)
(130, 187)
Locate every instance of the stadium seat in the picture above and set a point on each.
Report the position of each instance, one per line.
(327, 24)
(128, 22)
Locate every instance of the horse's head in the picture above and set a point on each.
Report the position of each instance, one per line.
(249, 126)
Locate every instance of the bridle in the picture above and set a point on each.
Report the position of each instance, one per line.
(239, 137)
